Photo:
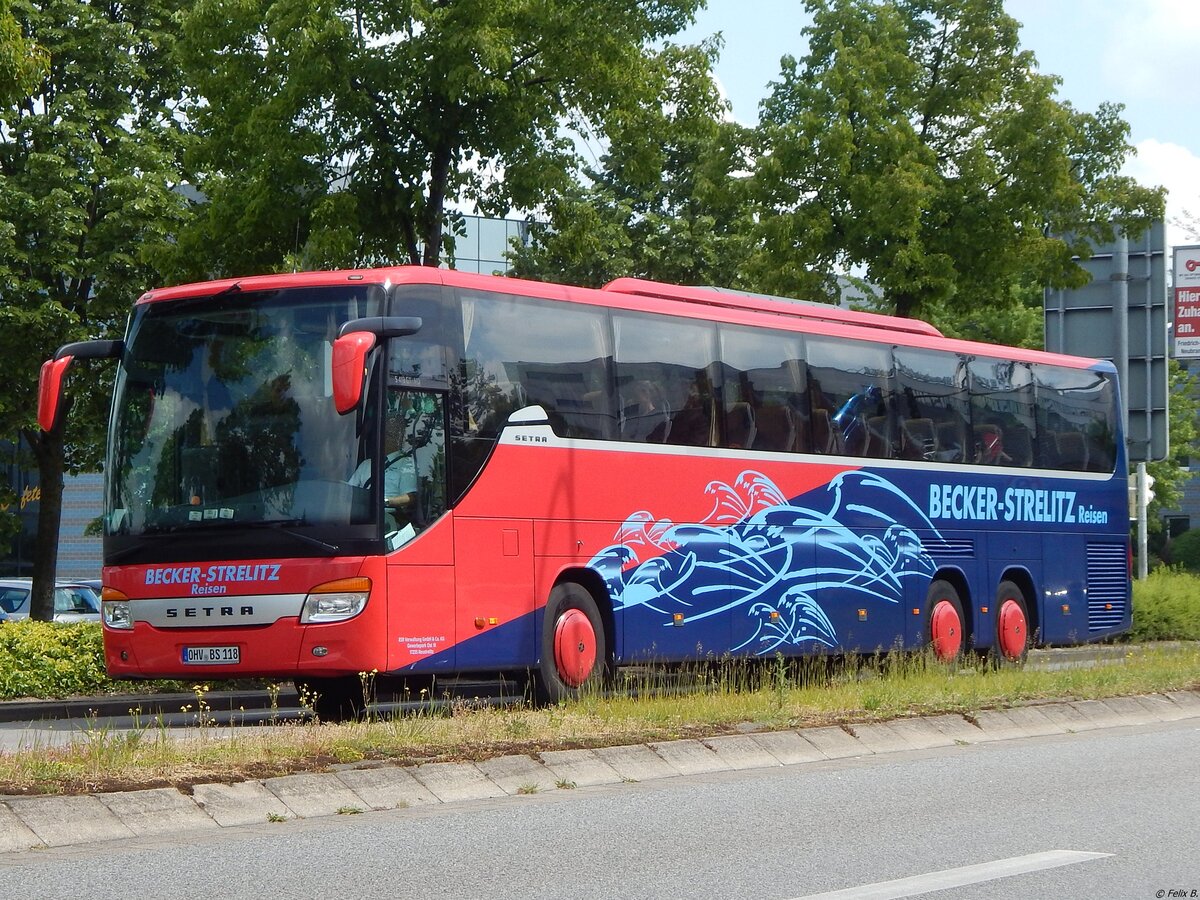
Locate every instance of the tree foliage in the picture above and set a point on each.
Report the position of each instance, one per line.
(22, 62)
(88, 163)
(340, 133)
(669, 199)
(916, 140)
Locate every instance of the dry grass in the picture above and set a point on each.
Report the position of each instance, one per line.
(722, 700)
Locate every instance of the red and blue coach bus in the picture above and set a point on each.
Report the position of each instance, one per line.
(417, 472)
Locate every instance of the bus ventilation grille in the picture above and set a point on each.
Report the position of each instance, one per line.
(955, 548)
(1107, 585)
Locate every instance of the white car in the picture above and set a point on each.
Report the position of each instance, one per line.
(72, 602)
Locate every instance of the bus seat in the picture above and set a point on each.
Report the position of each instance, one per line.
(776, 429)
(825, 437)
(692, 426)
(951, 441)
(1072, 450)
(878, 444)
(1018, 445)
(801, 439)
(740, 428)
(918, 439)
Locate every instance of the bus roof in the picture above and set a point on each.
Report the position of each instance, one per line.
(652, 296)
(783, 306)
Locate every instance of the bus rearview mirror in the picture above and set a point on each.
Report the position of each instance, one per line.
(50, 386)
(54, 371)
(350, 369)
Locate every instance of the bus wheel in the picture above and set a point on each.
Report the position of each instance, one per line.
(1012, 624)
(945, 622)
(574, 649)
(333, 699)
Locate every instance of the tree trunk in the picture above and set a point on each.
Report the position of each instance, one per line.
(906, 305)
(48, 450)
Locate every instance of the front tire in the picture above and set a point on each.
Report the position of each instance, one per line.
(574, 655)
(333, 699)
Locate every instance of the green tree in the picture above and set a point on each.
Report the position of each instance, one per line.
(916, 140)
(670, 199)
(88, 163)
(341, 133)
(22, 62)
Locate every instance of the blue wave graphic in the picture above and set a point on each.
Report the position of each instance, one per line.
(769, 558)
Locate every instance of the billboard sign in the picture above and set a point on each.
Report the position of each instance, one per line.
(1121, 314)
(1187, 302)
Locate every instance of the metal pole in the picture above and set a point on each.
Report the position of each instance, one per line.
(1149, 343)
(1142, 502)
(1120, 294)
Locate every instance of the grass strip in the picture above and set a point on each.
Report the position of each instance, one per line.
(722, 700)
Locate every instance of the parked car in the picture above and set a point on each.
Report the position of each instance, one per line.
(73, 602)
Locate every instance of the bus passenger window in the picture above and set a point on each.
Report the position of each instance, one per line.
(1075, 419)
(1002, 411)
(663, 379)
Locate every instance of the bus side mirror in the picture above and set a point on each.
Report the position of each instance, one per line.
(50, 386)
(350, 369)
(355, 340)
(54, 371)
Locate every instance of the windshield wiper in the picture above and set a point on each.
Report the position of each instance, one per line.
(285, 526)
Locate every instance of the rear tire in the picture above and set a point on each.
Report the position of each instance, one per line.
(1012, 626)
(574, 646)
(946, 632)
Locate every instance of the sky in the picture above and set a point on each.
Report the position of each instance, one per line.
(1143, 54)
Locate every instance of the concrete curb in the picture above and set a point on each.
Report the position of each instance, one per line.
(32, 823)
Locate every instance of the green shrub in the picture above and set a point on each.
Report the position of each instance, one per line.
(43, 660)
(1166, 607)
(1185, 550)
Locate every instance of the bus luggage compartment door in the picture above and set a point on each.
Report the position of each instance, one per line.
(494, 601)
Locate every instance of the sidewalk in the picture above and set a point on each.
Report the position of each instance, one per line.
(40, 822)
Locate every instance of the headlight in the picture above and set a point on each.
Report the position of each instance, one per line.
(114, 609)
(116, 614)
(336, 601)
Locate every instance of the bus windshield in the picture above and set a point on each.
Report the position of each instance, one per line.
(223, 417)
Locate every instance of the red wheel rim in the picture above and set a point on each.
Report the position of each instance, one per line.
(945, 627)
(1013, 629)
(574, 647)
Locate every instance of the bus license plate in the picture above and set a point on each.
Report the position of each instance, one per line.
(211, 656)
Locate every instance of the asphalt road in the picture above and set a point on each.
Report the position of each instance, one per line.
(1111, 814)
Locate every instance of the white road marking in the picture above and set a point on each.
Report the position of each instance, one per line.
(953, 878)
